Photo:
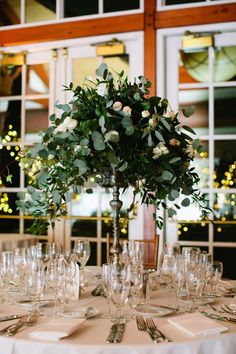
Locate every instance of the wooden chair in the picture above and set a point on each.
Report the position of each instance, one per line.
(151, 248)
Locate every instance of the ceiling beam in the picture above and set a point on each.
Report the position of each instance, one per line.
(195, 16)
(72, 29)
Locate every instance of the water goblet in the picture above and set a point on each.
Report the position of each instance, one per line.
(82, 252)
(35, 283)
(119, 287)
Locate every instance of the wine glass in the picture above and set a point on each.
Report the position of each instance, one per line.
(55, 281)
(216, 274)
(8, 273)
(82, 252)
(35, 282)
(119, 287)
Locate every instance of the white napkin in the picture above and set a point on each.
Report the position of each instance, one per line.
(57, 329)
(196, 324)
(232, 302)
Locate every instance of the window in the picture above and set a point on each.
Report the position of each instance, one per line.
(16, 12)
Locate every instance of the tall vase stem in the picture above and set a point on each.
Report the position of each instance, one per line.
(115, 205)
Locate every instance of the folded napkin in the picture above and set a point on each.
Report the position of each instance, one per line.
(57, 329)
(232, 303)
(195, 324)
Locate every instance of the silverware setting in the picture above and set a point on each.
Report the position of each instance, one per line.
(10, 317)
(219, 317)
(149, 326)
(116, 333)
(223, 309)
(28, 321)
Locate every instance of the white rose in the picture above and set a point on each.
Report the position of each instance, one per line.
(152, 122)
(50, 157)
(145, 114)
(127, 110)
(171, 114)
(159, 150)
(174, 142)
(190, 151)
(68, 124)
(102, 89)
(117, 106)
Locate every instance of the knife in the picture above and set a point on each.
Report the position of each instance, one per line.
(165, 307)
(219, 317)
(10, 317)
(119, 333)
(111, 336)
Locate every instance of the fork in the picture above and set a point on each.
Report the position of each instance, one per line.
(13, 325)
(30, 321)
(141, 324)
(153, 328)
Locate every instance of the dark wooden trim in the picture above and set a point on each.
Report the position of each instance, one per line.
(150, 43)
(73, 29)
(195, 16)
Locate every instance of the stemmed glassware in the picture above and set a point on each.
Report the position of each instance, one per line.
(216, 274)
(35, 282)
(119, 287)
(8, 273)
(55, 281)
(82, 252)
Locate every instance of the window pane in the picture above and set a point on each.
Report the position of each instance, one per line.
(40, 10)
(224, 63)
(225, 206)
(36, 119)
(83, 68)
(201, 164)
(224, 110)
(37, 79)
(194, 64)
(117, 64)
(225, 159)
(224, 232)
(10, 80)
(228, 257)
(193, 231)
(110, 6)
(93, 257)
(9, 12)
(80, 7)
(9, 166)
(8, 208)
(199, 120)
(10, 121)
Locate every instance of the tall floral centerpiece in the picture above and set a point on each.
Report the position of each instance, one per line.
(114, 133)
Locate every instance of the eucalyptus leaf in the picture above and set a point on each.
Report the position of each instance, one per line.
(81, 165)
(98, 141)
(185, 202)
(188, 111)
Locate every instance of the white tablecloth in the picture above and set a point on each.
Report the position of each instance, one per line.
(90, 338)
(10, 242)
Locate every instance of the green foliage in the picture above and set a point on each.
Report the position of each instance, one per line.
(112, 125)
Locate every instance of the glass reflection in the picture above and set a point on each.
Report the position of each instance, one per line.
(10, 80)
(225, 164)
(10, 12)
(193, 231)
(83, 68)
(199, 120)
(37, 79)
(36, 119)
(36, 11)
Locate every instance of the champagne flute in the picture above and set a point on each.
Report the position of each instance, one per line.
(82, 252)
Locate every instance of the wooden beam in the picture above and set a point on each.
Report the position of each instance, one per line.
(195, 16)
(72, 29)
(150, 43)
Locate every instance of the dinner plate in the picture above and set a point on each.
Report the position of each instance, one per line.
(205, 300)
(28, 304)
(83, 312)
(153, 310)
